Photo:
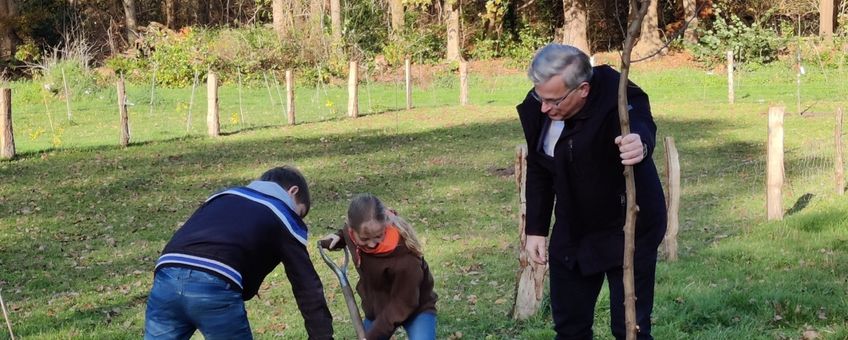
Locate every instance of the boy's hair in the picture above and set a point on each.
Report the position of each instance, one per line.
(367, 207)
(288, 176)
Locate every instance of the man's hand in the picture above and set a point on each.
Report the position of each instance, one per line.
(536, 247)
(631, 148)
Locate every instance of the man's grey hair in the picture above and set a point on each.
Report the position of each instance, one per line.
(564, 60)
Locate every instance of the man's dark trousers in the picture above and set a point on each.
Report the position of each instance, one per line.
(573, 298)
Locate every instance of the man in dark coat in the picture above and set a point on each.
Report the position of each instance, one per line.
(575, 170)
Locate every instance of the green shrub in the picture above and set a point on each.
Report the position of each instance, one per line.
(750, 42)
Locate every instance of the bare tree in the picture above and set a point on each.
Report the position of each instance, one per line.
(336, 19)
(649, 39)
(452, 17)
(690, 19)
(574, 25)
(397, 15)
(8, 39)
(170, 14)
(278, 14)
(130, 20)
(826, 19)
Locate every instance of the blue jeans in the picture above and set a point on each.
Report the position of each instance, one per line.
(418, 327)
(184, 300)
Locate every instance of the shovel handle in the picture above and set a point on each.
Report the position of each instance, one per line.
(350, 301)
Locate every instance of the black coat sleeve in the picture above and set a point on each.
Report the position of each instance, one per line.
(641, 121)
(307, 288)
(540, 182)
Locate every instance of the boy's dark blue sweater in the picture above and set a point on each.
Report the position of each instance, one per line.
(241, 235)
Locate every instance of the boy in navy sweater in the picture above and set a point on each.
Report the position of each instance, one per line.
(220, 256)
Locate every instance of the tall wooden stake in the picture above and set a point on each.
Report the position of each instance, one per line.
(731, 92)
(838, 163)
(213, 124)
(352, 92)
(638, 9)
(530, 281)
(774, 170)
(7, 135)
(290, 96)
(408, 77)
(191, 102)
(463, 82)
(122, 109)
(672, 170)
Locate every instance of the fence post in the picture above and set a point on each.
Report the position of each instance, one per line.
(122, 109)
(290, 96)
(463, 82)
(530, 284)
(731, 93)
(838, 161)
(774, 170)
(213, 125)
(672, 170)
(352, 92)
(7, 136)
(408, 76)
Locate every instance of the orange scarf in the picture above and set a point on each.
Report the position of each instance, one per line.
(390, 241)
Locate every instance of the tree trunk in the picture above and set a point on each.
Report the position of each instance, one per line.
(826, 19)
(689, 15)
(336, 19)
(574, 26)
(452, 16)
(170, 14)
(130, 21)
(8, 39)
(397, 15)
(649, 39)
(279, 15)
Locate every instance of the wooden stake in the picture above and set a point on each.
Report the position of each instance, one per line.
(7, 135)
(774, 170)
(463, 82)
(213, 125)
(530, 280)
(241, 109)
(638, 10)
(153, 88)
(672, 170)
(352, 92)
(6, 316)
(838, 160)
(408, 76)
(122, 109)
(67, 96)
(290, 97)
(731, 93)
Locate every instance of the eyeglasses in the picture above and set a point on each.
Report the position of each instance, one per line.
(551, 102)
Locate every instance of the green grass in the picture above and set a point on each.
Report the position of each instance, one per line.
(82, 222)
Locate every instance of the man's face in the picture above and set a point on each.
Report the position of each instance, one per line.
(558, 101)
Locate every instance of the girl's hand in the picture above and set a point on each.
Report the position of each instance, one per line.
(330, 241)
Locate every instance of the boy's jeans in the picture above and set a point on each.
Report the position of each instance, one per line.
(418, 327)
(183, 300)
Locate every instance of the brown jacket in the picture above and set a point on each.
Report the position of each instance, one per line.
(392, 286)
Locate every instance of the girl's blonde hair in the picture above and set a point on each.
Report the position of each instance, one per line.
(367, 207)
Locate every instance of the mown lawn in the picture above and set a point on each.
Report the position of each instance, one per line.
(82, 221)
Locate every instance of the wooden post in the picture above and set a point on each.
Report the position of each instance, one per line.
(463, 82)
(837, 160)
(67, 96)
(408, 76)
(352, 92)
(122, 109)
(774, 170)
(213, 125)
(530, 284)
(290, 96)
(672, 171)
(7, 136)
(731, 94)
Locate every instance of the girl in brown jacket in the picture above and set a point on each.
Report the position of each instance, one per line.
(395, 283)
